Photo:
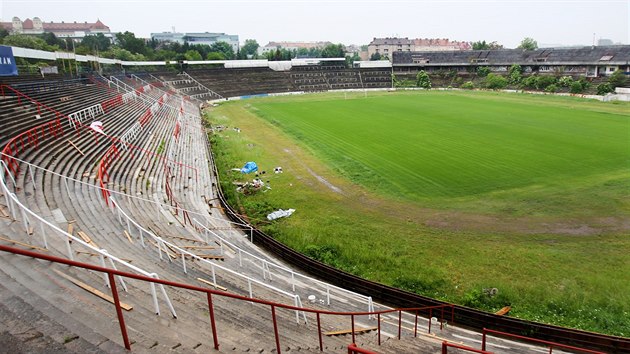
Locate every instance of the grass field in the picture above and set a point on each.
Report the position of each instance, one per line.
(447, 193)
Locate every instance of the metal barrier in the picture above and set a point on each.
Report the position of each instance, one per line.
(551, 345)
(209, 292)
(446, 345)
(353, 349)
(17, 208)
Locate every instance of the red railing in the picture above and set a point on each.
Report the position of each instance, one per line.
(30, 137)
(209, 293)
(112, 103)
(551, 345)
(353, 349)
(446, 345)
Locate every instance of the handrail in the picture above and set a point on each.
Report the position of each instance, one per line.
(161, 242)
(112, 191)
(446, 345)
(209, 292)
(293, 273)
(198, 83)
(540, 341)
(11, 198)
(353, 349)
(113, 138)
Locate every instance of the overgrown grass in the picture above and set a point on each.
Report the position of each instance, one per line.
(579, 281)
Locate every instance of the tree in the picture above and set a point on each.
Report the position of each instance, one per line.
(351, 59)
(224, 48)
(192, 55)
(24, 41)
(51, 39)
(215, 56)
(249, 49)
(375, 56)
(528, 44)
(3, 33)
(128, 41)
(423, 80)
(97, 41)
(482, 45)
(334, 51)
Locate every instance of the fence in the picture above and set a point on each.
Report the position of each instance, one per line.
(110, 273)
(551, 345)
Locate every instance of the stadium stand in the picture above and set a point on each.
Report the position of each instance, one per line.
(140, 198)
(57, 185)
(586, 61)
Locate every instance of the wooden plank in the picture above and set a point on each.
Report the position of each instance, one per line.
(348, 331)
(76, 147)
(185, 239)
(212, 284)
(209, 256)
(4, 213)
(23, 244)
(87, 239)
(92, 290)
(84, 236)
(71, 229)
(168, 254)
(128, 236)
(200, 247)
(225, 247)
(91, 254)
(503, 311)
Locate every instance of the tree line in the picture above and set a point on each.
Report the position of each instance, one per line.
(128, 47)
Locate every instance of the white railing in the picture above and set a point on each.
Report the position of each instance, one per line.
(294, 277)
(86, 113)
(164, 246)
(114, 192)
(200, 84)
(17, 208)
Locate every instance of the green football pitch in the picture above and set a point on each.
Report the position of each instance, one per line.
(469, 151)
(448, 193)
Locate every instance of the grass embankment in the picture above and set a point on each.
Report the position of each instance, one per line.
(449, 193)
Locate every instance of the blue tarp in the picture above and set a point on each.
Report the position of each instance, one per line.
(249, 167)
(7, 62)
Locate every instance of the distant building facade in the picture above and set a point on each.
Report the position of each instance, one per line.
(387, 46)
(207, 38)
(272, 46)
(74, 30)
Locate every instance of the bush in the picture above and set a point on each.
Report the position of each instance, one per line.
(604, 88)
(544, 81)
(515, 74)
(495, 82)
(530, 82)
(468, 85)
(576, 87)
(423, 80)
(551, 88)
(565, 81)
(483, 71)
(617, 79)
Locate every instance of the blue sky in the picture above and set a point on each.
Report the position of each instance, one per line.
(552, 22)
